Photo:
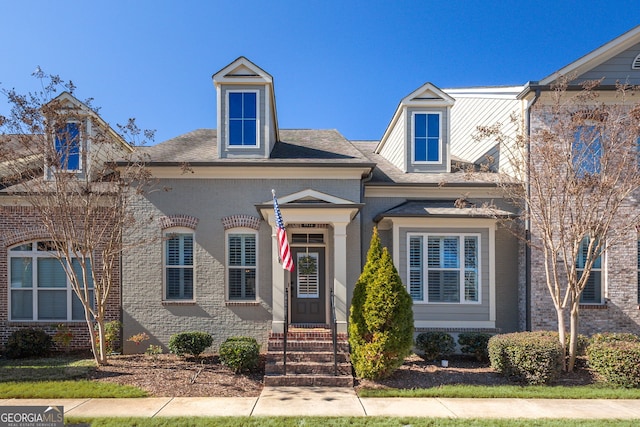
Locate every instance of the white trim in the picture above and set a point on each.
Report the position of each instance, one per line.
(434, 192)
(241, 230)
(412, 132)
(261, 172)
(179, 231)
(227, 142)
(311, 194)
(461, 268)
(444, 324)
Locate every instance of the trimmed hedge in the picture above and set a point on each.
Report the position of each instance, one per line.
(240, 353)
(434, 345)
(193, 343)
(616, 358)
(534, 358)
(29, 342)
(475, 343)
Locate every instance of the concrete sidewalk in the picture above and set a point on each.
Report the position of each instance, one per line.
(338, 402)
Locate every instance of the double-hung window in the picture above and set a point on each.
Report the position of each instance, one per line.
(444, 268)
(592, 292)
(242, 265)
(427, 142)
(68, 147)
(587, 150)
(39, 287)
(243, 119)
(179, 266)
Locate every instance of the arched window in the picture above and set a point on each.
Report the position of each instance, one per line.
(39, 289)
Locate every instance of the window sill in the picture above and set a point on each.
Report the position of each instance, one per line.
(593, 306)
(168, 302)
(241, 303)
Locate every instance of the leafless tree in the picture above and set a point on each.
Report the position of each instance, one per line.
(57, 156)
(578, 165)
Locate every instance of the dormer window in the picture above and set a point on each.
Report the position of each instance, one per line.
(426, 141)
(243, 119)
(67, 145)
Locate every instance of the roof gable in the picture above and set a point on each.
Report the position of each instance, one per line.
(242, 71)
(311, 196)
(427, 95)
(597, 57)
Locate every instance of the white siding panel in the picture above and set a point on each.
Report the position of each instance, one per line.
(395, 148)
(469, 113)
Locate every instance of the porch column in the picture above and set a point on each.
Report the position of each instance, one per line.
(340, 273)
(278, 277)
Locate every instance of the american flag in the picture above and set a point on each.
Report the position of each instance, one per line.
(283, 243)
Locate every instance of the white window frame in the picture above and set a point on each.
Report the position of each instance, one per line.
(81, 144)
(603, 279)
(227, 120)
(461, 268)
(413, 142)
(241, 231)
(34, 254)
(166, 237)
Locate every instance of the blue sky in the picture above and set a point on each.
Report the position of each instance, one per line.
(336, 64)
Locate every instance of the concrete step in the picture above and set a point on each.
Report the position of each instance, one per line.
(308, 381)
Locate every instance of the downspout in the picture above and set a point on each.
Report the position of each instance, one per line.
(528, 223)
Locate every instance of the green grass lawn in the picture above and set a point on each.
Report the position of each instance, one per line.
(512, 391)
(56, 377)
(340, 422)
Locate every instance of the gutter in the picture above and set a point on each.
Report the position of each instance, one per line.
(537, 90)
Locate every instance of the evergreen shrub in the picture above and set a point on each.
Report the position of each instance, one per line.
(616, 359)
(240, 353)
(534, 358)
(476, 344)
(29, 342)
(193, 343)
(381, 317)
(434, 345)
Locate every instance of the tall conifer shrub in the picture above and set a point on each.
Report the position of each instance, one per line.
(381, 318)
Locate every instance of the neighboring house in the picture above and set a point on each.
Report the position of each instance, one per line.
(213, 266)
(34, 290)
(611, 299)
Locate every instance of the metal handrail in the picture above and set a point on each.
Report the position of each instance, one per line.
(334, 333)
(286, 329)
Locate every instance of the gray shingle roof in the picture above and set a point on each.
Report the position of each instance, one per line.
(297, 145)
(386, 173)
(442, 209)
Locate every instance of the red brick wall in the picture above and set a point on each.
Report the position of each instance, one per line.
(20, 224)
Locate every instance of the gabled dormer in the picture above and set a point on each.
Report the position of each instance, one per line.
(417, 139)
(78, 139)
(247, 119)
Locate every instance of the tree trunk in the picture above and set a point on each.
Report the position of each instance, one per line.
(573, 343)
(561, 335)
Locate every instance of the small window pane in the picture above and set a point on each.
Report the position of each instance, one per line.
(250, 107)
(77, 309)
(21, 273)
(77, 268)
(52, 305)
(433, 154)
(235, 132)
(420, 124)
(51, 274)
(450, 252)
(21, 305)
(235, 105)
(25, 247)
(249, 136)
(235, 250)
(433, 126)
